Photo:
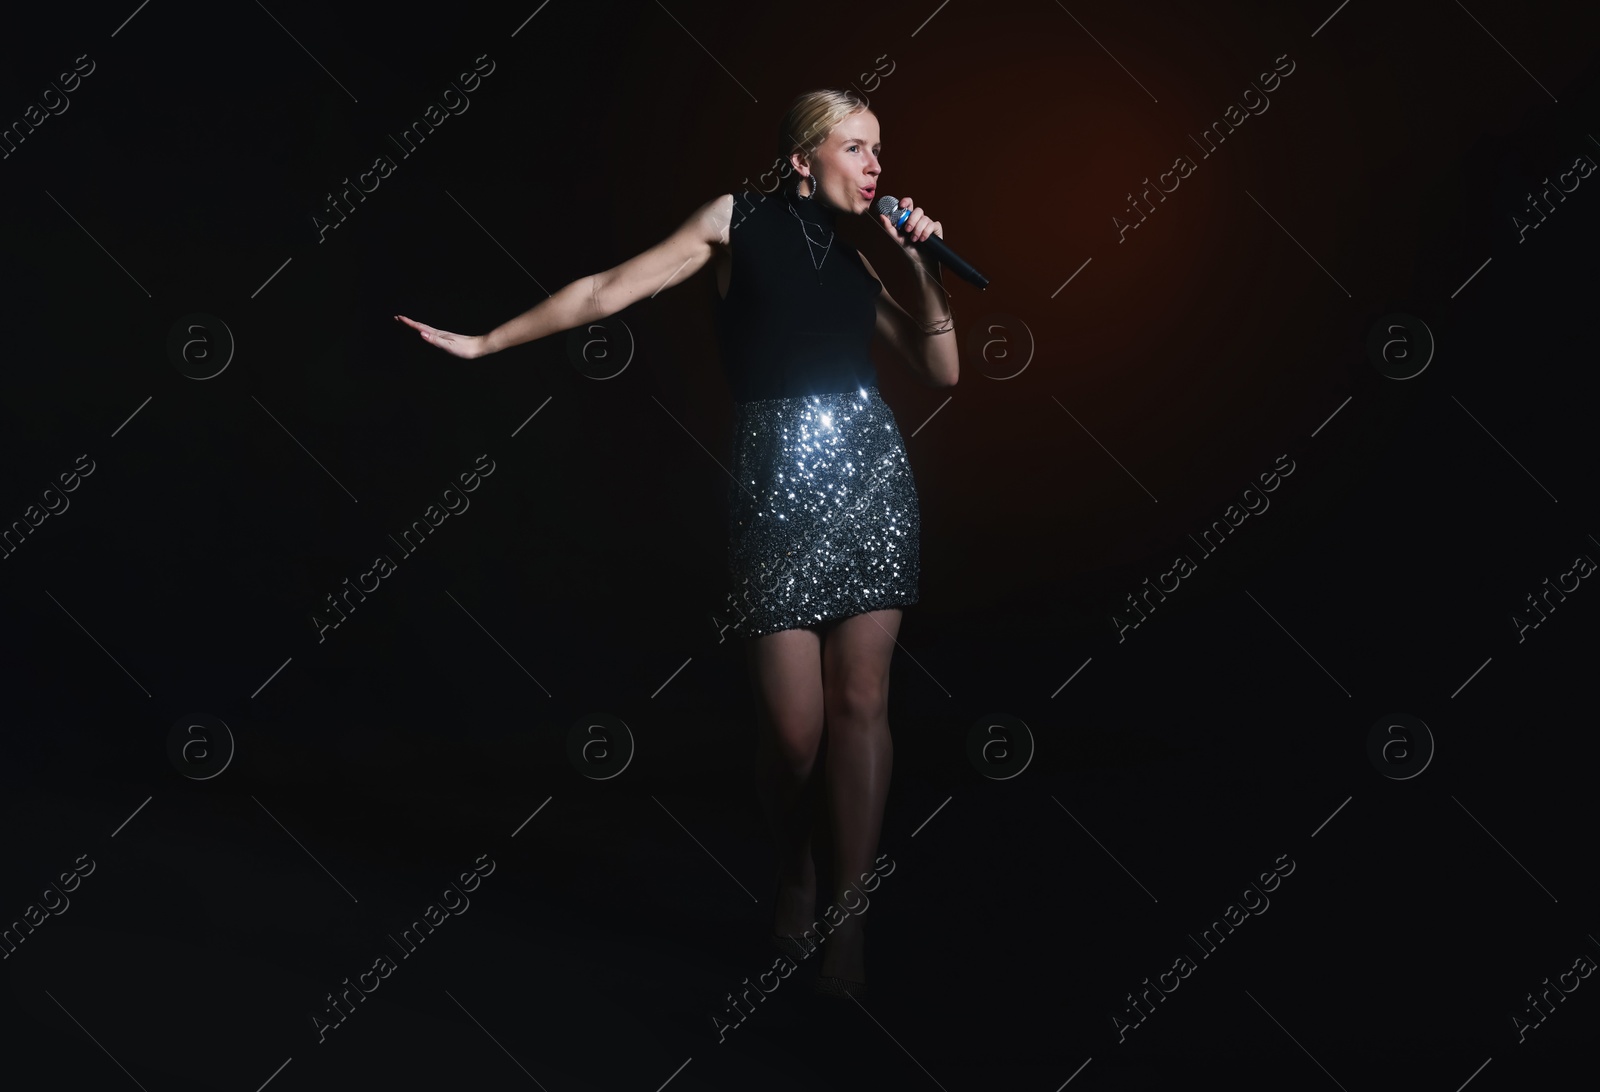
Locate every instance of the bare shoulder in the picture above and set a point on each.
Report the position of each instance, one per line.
(714, 220)
(708, 230)
(708, 225)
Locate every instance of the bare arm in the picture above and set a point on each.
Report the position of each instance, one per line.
(590, 299)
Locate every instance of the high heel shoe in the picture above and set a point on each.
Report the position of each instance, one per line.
(791, 947)
(833, 985)
(829, 986)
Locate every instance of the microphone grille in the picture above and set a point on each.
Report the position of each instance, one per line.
(887, 205)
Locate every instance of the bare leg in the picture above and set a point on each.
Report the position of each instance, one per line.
(860, 755)
(786, 670)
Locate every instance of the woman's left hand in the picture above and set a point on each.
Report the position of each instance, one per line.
(917, 227)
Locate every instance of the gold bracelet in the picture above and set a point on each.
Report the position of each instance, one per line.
(941, 325)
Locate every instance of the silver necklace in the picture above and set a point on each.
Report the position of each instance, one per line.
(811, 246)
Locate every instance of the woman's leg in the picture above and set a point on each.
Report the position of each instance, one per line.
(786, 670)
(855, 676)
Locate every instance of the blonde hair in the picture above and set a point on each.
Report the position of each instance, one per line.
(809, 120)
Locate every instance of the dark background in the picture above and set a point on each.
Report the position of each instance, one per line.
(370, 768)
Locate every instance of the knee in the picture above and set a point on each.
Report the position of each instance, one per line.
(795, 743)
(859, 700)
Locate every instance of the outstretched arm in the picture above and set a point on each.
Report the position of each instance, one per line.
(589, 299)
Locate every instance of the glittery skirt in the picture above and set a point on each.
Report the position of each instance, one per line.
(823, 521)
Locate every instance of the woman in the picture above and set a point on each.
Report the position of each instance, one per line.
(822, 517)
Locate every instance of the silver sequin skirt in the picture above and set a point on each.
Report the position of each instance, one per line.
(823, 520)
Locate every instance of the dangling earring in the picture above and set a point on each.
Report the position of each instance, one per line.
(807, 196)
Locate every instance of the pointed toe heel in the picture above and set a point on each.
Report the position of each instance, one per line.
(829, 986)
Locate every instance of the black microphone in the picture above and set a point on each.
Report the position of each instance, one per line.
(890, 207)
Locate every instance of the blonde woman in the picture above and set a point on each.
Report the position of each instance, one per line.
(823, 522)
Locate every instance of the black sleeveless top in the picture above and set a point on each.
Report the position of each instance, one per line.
(787, 328)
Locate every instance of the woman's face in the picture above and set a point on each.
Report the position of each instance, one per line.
(846, 164)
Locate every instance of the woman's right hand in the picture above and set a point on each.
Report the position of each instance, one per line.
(466, 346)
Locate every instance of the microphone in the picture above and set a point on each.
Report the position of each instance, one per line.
(890, 207)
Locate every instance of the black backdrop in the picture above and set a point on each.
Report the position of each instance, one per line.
(260, 793)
